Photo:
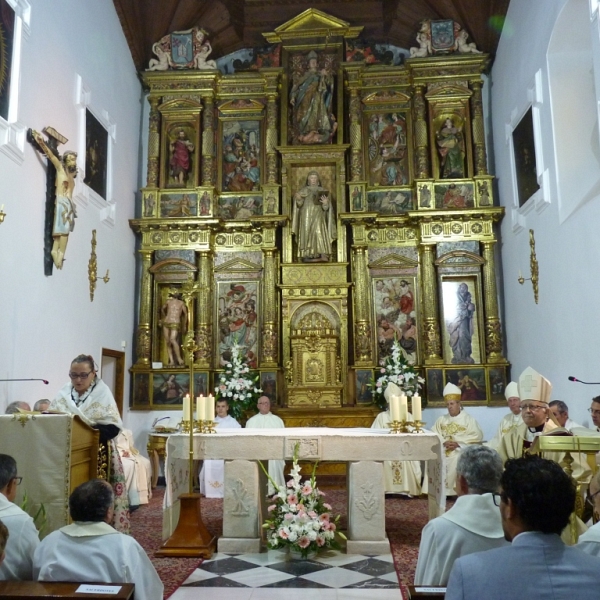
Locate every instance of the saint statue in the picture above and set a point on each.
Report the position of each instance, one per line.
(311, 97)
(313, 221)
(451, 147)
(181, 150)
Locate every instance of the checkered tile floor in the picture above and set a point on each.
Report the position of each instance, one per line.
(271, 575)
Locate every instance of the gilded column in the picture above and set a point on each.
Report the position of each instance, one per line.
(272, 133)
(153, 142)
(270, 346)
(144, 337)
(431, 326)
(203, 356)
(421, 143)
(478, 130)
(208, 141)
(363, 351)
(493, 328)
(356, 162)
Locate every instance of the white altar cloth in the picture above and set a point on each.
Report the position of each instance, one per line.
(356, 445)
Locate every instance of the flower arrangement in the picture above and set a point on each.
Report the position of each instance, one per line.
(397, 369)
(238, 384)
(298, 517)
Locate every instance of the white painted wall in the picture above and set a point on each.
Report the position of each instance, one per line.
(46, 321)
(559, 336)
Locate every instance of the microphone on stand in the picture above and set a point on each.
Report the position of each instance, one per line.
(46, 382)
(571, 378)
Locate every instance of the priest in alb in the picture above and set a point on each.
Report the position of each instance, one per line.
(265, 419)
(399, 476)
(458, 429)
(212, 474)
(512, 419)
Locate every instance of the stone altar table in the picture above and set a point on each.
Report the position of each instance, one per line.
(244, 506)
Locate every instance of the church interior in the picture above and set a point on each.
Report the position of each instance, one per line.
(318, 188)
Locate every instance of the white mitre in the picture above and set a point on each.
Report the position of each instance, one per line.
(452, 392)
(512, 390)
(391, 390)
(533, 386)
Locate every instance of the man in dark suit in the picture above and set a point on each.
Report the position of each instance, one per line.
(536, 501)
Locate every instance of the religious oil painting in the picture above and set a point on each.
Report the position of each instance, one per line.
(239, 208)
(268, 385)
(237, 320)
(170, 388)
(313, 97)
(525, 160)
(357, 198)
(141, 389)
(498, 380)
(178, 205)
(271, 202)
(363, 378)
(180, 153)
(201, 384)
(388, 156)
(96, 154)
(390, 202)
(454, 195)
(241, 155)
(435, 385)
(470, 381)
(206, 203)
(461, 309)
(395, 307)
(424, 195)
(149, 204)
(7, 38)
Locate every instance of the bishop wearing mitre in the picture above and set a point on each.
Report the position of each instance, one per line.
(512, 419)
(399, 476)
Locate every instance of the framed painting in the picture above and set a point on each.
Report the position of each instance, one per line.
(470, 381)
(241, 159)
(497, 377)
(363, 378)
(268, 384)
(141, 390)
(424, 194)
(169, 388)
(454, 195)
(239, 208)
(96, 154)
(390, 202)
(205, 204)
(271, 201)
(435, 385)
(7, 40)
(149, 204)
(387, 148)
(462, 311)
(357, 197)
(179, 205)
(525, 159)
(395, 308)
(237, 310)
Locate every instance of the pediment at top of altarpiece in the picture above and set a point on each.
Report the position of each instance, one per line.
(238, 265)
(394, 261)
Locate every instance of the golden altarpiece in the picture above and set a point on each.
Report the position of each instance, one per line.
(325, 207)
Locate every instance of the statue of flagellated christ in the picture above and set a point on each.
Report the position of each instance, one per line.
(313, 221)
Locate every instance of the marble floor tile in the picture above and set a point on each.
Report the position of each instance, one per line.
(336, 577)
(258, 577)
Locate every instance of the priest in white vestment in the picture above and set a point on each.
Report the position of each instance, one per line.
(589, 542)
(265, 419)
(23, 536)
(473, 524)
(512, 419)
(212, 474)
(90, 550)
(399, 476)
(137, 469)
(458, 429)
(561, 415)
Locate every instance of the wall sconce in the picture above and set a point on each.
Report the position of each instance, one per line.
(2, 214)
(93, 269)
(533, 267)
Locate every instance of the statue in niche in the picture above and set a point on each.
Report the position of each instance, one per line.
(173, 311)
(180, 163)
(313, 221)
(311, 98)
(451, 147)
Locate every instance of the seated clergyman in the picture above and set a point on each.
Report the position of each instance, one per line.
(473, 524)
(536, 499)
(90, 550)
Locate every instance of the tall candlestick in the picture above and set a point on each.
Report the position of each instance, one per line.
(210, 408)
(200, 408)
(186, 407)
(395, 408)
(416, 408)
(403, 408)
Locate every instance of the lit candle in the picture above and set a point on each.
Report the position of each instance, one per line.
(210, 408)
(395, 408)
(200, 408)
(416, 408)
(186, 407)
(403, 408)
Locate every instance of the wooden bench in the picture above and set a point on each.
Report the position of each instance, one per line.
(12, 590)
(426, 592)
